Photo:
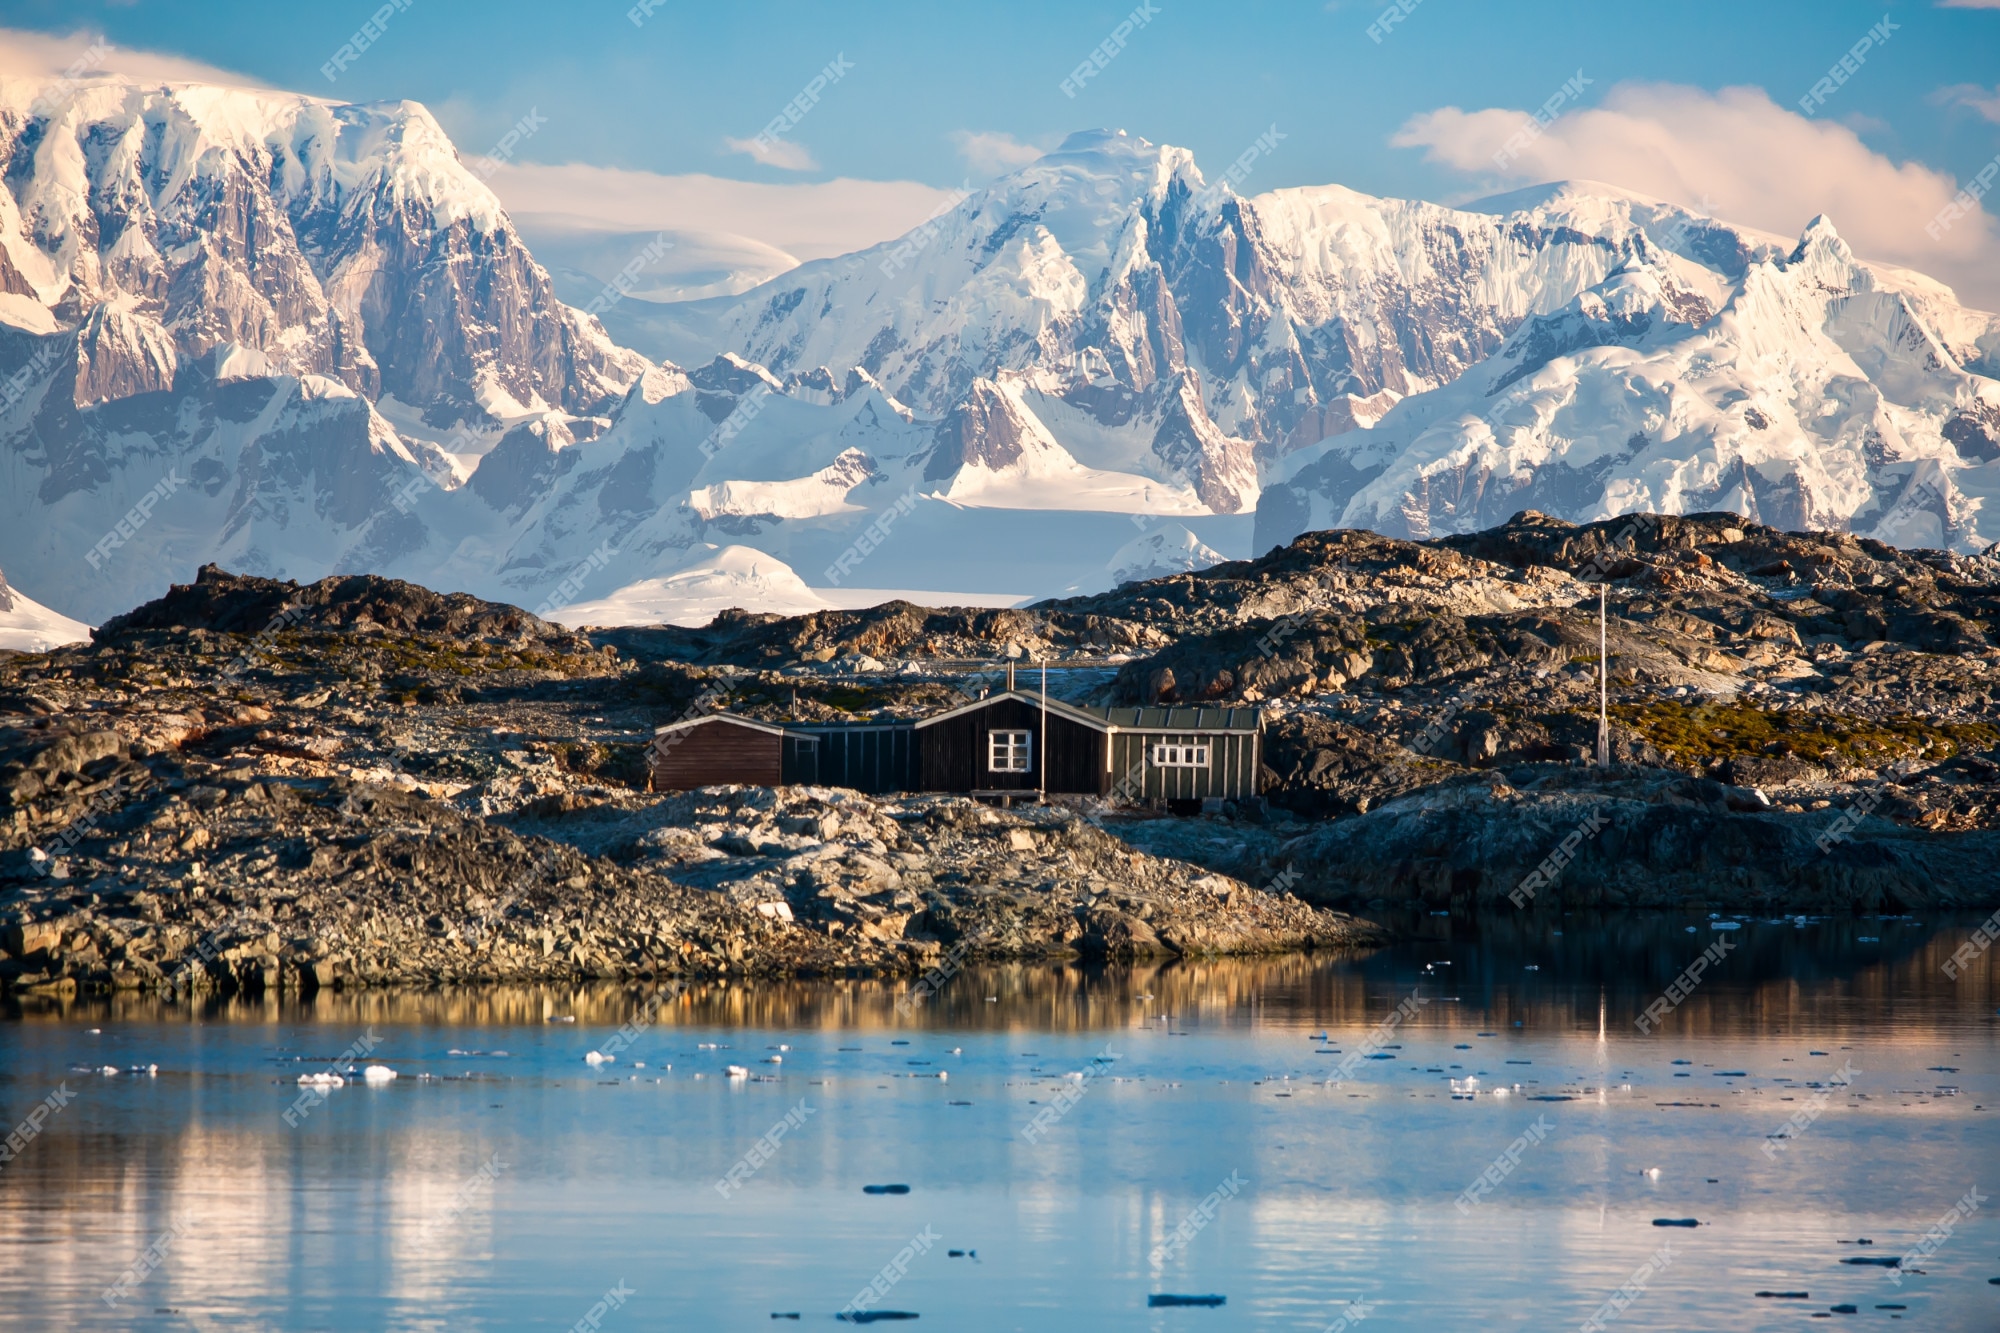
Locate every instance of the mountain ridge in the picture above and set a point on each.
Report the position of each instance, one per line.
(1099, 340)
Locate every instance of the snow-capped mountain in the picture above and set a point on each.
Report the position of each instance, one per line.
(26, 626)
(1818, 393)
(297, 337)
(1183, 331)
(156, 224)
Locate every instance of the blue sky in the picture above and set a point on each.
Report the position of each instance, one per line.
(937, 94)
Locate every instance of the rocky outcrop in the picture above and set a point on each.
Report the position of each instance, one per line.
(1560, 838)
(246, 884)
(219, 602)
(251, 784)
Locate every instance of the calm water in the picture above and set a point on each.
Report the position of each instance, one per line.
(517, 1185)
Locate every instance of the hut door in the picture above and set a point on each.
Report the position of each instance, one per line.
(801, 760)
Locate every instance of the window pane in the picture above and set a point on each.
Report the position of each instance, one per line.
(1007, 752)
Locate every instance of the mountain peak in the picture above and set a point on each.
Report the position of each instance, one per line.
(1103, 140)
(1821, 245)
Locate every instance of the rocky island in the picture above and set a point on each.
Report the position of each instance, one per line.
(255, 784)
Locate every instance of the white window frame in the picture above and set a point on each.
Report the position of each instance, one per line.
(1178, 754)
(1010, 751)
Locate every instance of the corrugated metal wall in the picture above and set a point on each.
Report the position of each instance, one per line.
(870, 759)
(1231, 771)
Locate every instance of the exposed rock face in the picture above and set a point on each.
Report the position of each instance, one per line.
(983, 430)
(221, 602)
(1639, 838)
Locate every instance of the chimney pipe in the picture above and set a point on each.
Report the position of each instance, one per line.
(1010, 674)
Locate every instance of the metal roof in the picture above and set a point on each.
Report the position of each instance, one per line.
(1089, 717)
(1185, 719)
(855, 724)
(1182, 719)
(731, 718)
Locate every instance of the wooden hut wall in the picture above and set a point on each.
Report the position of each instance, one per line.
(1231, 771)
(716, 751)
(954, 751)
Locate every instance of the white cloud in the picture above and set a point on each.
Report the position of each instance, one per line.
(1968, 4)
(807, 221)
(1986, 101)
(774, 152)
(994, 152)
(1762, 165)
(37, 55)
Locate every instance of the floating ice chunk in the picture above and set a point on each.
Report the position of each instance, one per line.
(324, 1079)
(737, 1071)
(378, 1074)
(108, 1069)
(599, 1058)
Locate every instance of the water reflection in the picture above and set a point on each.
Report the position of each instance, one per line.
(1875, 972)
(503, 1182)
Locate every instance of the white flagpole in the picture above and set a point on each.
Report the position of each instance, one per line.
(1603, 687)
(1042, 769)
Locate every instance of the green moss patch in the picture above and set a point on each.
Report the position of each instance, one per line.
(1707, 733)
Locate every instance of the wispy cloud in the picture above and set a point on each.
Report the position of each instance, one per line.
(803, 220)
(1968, 4)
(772, 151)
(1684, 144)
(31, 55)
(1986, 101)
(994, 152)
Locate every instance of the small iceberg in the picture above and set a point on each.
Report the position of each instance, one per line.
(737, 1071)
(599, 1058)
(873, 1316)
(322, 1080)
(378, 1074)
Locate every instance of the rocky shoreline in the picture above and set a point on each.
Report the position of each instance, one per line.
(250, 784)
